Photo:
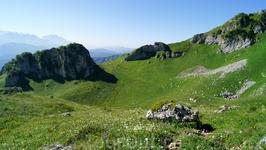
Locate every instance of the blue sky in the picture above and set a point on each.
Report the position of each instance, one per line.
(128, 23)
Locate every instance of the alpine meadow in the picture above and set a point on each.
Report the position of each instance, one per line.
(207, 92)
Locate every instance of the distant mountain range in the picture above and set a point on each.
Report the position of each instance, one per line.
(100, 60)
(13, 43)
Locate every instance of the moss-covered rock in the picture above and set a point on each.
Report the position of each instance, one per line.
(71, 61)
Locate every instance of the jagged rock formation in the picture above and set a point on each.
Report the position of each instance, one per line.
(147, 51)
(179, 113)
(71, 61)
(238, 33)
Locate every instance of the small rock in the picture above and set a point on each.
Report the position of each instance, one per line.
(51, 96)
(51, 116)
(66, 114)
(245, 143)
(148, 62)
(175, 145)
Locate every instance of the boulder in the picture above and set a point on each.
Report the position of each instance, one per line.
(179, 113)
(224, 108)
(193, 100)
(262, 141)
(175, 55)
(229, 96)
(175, 145)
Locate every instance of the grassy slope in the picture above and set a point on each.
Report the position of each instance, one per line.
(25, 124)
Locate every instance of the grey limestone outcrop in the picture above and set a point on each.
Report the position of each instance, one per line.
(229, 45)
(178, 112)
(146, 51)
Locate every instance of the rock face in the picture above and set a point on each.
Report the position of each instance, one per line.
(179, 113)
(71, 61)
(231, 36)
(227, 45)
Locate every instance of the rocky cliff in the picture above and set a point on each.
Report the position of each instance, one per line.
(71, 61)
(237, 33)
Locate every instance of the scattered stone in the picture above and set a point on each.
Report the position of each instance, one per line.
(260, 142)
(148, 62)
(1, 90)
(58, 147)
(229, 96)
(51, 116)
(179, 112)
(66, 114)
(175, 145)
(245, 143)
(235, 148)
(51, 96)
(224, 108)
(193, 100)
